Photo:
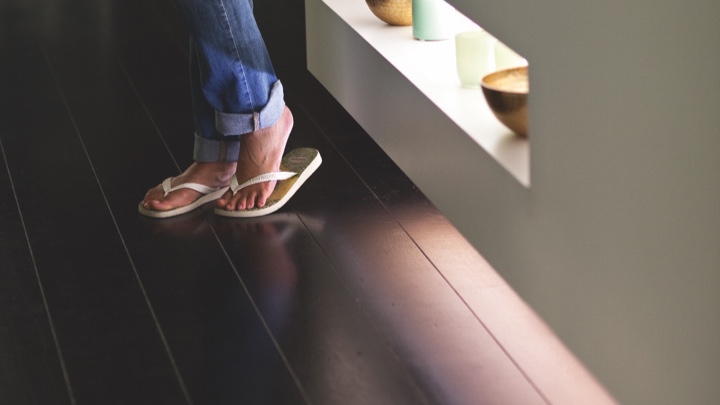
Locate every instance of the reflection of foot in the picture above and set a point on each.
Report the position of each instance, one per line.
(199, 184)
(297, 167)
(264, 244)
(260, 152)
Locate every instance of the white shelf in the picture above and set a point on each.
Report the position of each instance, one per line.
(430, 66)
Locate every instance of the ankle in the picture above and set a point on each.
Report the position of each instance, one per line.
(225, 173)
(218, 172)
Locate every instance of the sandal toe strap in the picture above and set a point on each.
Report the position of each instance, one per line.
(200, 188)
(273, 176)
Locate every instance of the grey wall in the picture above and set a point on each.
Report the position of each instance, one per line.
(621, 251)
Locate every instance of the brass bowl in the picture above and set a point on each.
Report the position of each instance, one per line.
(506, 92)
(393, 12)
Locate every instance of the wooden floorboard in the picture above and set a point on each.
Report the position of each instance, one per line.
(30, 366)
(405, 296)
(28, 354)
(335, 299)
(99, 312)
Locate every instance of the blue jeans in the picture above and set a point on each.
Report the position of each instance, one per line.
(234, 87)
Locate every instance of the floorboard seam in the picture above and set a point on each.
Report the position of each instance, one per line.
(362, 309)
(457, 293)
(161, 334)
(147, 111)
(480, 321)
(275, 343)
(66, 376)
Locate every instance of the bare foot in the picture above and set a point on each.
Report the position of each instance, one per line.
(260, 152)
(215, 175)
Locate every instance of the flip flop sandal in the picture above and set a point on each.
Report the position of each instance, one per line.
(296, 166)
(208, 194)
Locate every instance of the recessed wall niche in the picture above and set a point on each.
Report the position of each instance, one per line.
(431, 68)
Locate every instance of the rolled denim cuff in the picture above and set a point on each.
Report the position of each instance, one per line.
(212, 150)
(238, 124)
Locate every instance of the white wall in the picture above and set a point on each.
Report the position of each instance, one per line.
(616, 243)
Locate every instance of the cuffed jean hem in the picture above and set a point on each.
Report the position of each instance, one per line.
(234, 125)
(238, 124)
(212, 150)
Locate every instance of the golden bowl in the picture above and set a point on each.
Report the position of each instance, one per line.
(506, 92)
(393, 12)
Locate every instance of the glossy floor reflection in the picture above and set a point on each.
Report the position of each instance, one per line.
(357, 292)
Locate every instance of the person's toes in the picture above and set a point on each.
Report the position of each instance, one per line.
(253, 200)
(158, 205)
(245, 199)
(243, 203)
(152, 194)
(224, 201)
(261, 200)
(149, 199)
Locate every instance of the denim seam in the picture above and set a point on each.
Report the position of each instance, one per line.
(211, 150)
(241, 69)
(230, 124)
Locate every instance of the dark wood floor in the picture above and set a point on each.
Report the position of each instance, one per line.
(339, 298)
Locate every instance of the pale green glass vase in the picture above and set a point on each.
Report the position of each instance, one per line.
(430, 20)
